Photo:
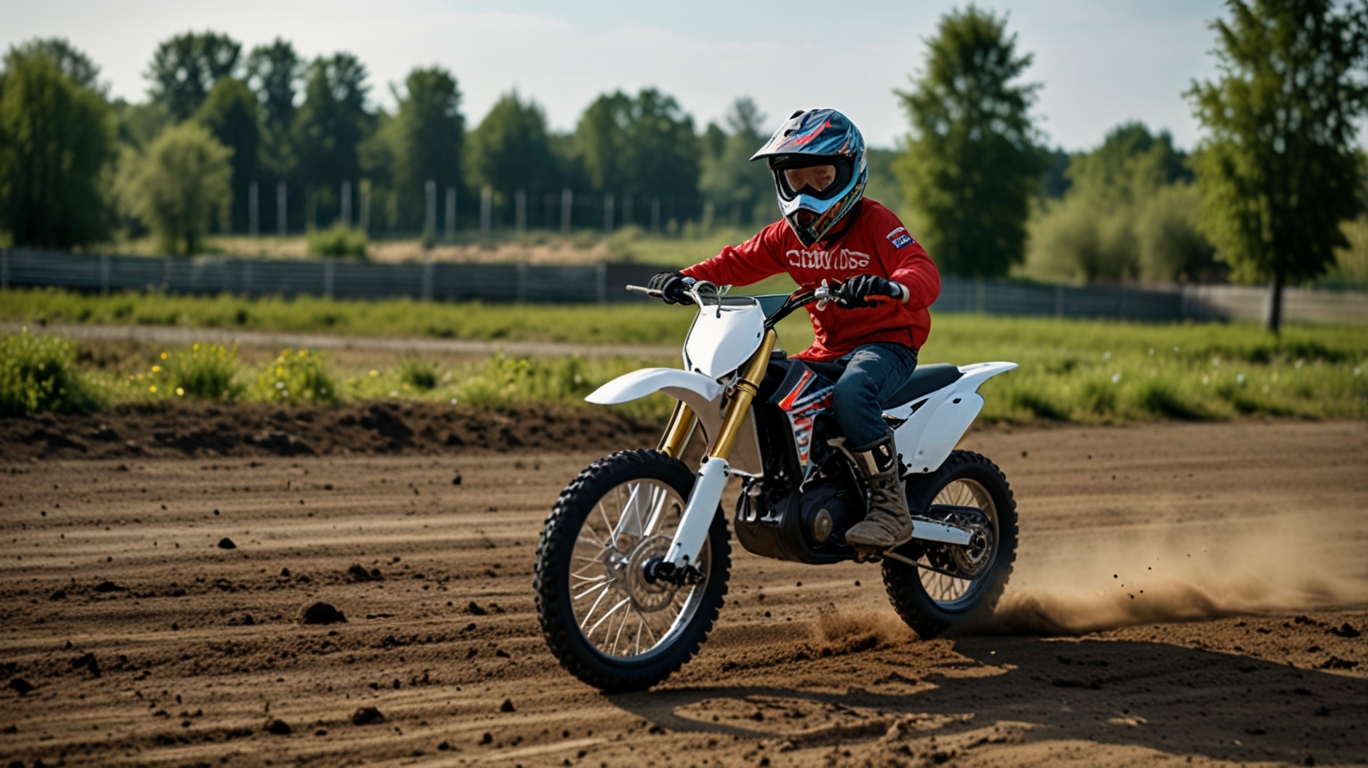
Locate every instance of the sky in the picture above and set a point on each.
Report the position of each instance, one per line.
(1099, 62)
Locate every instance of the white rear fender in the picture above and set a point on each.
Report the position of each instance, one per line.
(936, 422)
(702, 394)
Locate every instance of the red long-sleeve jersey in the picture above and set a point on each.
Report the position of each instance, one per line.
(876, 243)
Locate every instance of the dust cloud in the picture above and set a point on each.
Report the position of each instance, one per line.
(1073, 582)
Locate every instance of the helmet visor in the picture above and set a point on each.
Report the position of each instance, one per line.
(820, 181)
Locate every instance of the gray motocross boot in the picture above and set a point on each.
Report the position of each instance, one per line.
(888, 522)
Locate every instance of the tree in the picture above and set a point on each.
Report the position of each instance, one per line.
(427, 135)
(56, 139)
(1277, 169)
(643, 146)
(177, 186)
(70, 60)
(230, 113)
(330, 125)
(1128, 212)
(971, 164)
(511, 150)
(273, 72)
(185, 68)
(740, 191)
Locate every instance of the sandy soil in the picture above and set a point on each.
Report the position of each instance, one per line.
(1184, 594)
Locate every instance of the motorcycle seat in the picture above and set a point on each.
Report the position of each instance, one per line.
(925, 380)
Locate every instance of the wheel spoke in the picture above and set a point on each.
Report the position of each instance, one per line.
(607, 615)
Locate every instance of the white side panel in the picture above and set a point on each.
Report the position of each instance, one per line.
(941, 418)
(720, 342)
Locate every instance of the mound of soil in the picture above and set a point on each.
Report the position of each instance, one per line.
(199, 430)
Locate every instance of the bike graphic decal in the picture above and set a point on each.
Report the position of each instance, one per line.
(801, 408)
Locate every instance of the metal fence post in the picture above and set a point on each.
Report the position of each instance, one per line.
(428, 274)
(450, 213)
(166, 273)
(601, 281)
(104, 272)
(328, 277)
(247, 276)
(567, 201)
(522, 282)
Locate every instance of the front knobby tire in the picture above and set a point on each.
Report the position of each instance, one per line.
(933, 603)
(604, 622)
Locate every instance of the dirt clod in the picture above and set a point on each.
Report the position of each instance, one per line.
(20, 686)
(226, 543)
(279, 728)
(367, 716)
(320, 613)
(506, 706)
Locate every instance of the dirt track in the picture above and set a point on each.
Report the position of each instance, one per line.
(144, 642)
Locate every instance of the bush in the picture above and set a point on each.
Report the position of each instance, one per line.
(178, 186)
(39, 374)
(418, 373)
(296, 377)
(337, 240)
(200, 373)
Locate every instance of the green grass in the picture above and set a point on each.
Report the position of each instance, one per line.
(39, 374)
(1071, 370)
(616, 323)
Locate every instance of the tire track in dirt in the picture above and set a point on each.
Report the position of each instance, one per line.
(145, 642)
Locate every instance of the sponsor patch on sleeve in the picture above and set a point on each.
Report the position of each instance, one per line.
(899, 238)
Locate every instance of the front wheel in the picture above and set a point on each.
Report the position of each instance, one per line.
(953, 585)
(605, 618)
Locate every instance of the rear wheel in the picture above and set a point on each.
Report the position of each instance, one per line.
(955, 584)
(606, 619)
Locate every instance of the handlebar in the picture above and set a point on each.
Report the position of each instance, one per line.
(822, 294)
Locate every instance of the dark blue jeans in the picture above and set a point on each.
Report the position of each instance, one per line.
(874, 372)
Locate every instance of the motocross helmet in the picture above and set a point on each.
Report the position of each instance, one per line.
(816, 138)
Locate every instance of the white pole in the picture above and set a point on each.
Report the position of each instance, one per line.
(451, 213)
(363, 223)
(281, 209)
(487, 215)
(430, 222)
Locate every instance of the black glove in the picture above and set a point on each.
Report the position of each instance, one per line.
(671, 286)
(856, 291)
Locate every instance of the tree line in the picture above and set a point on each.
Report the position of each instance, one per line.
(268, 140)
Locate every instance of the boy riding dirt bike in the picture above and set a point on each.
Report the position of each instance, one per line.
(883, 281)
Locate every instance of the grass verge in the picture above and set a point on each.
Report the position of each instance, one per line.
(1071, 370)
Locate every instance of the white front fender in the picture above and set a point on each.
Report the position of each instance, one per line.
(702, 394)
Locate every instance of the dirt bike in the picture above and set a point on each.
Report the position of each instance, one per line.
(633, 561)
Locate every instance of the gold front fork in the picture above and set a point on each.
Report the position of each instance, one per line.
(746, 389)
(682, 423)
(683, 420)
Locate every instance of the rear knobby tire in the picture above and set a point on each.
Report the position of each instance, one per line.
(673, 624)
(965, 479)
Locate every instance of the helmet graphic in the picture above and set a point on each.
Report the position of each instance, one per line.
(818, 161)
